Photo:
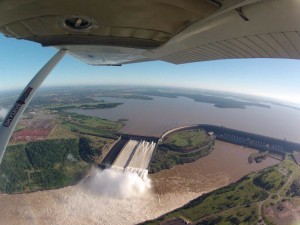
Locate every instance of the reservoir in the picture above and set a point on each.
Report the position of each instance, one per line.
(153, 117)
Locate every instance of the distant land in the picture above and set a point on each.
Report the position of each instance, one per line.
(102, 105)
(217, 101)
(217, 98)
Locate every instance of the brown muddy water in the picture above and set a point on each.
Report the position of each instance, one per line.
(170, 189)
(227, 163)
(153, 117)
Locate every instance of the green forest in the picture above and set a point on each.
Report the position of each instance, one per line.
(45, 165)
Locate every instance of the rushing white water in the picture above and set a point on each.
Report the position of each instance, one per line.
(135, 157)
(142, 155)
(125, 154)
(116, 184)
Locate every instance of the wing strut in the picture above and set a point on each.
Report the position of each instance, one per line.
(9, 123)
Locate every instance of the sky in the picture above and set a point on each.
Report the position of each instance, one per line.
(276, 78)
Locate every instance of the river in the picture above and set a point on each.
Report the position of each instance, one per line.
(153, 117)
(172, 188)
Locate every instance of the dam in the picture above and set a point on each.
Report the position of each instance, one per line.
(131, 153)
(247, 139)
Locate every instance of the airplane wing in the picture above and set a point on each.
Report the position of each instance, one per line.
(115, 32)
(249, 29)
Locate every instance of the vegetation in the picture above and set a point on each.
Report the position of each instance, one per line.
(103, 105)
(241, 215)
(186, 141)
(133, 96)
(87, 152)
(92, 126)
(217, 100)
(57, 162)
(44, 165)
(14, 170)
(165, 159)
(244, 202)
(91, 122)
(127, 96)
(233, 204)
(60, 97)
(181, 147)
(73, 145)
(270, 179)
(295, 187)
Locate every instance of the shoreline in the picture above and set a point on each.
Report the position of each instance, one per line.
(178, 186)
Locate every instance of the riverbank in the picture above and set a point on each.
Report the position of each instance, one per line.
(170, 189)
(227, 163)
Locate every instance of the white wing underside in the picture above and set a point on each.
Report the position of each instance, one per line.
(230, 29)
(272, 31)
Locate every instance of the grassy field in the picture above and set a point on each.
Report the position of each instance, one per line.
(187, 140)
(270, 179)
(60, 131)
(181, 147)
(94, 122)
(71, 125)
(240, 215)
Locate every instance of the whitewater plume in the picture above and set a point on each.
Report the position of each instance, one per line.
(116, 184)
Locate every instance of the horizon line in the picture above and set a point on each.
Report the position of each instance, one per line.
(265, 97)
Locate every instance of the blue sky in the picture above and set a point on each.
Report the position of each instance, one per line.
(277, 78)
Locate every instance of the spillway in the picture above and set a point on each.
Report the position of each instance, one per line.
(126, 153)
(135, 155)
(142, 155)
